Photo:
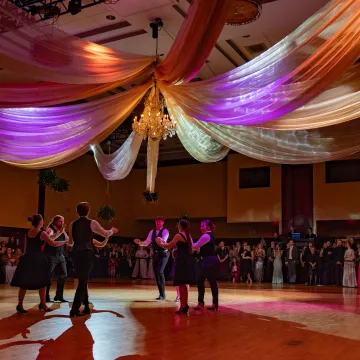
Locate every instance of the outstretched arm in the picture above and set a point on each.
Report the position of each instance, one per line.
(100, 244)
(204, 239)
(98, 229)
(45, 237)
(169, 245)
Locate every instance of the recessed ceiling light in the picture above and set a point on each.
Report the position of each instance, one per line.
(246, 36)
(110, 17)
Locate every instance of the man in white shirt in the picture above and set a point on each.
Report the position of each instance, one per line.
(160, 255)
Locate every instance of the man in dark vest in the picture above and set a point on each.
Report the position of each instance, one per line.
(81, 234)
(57, 257)
(160, 255)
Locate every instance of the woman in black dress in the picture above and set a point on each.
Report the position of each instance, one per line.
(33, 271)
(184, 262)
(248, 258)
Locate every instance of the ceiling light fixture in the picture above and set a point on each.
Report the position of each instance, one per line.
(110, 17)
(244, 12)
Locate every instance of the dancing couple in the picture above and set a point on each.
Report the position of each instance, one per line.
(185, 262)
(34, 269)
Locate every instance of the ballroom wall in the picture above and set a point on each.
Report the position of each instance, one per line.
(252, 205)
(336, 201)
(200, 190)
(18, 195)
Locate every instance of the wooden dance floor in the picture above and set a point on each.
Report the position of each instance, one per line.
(258, 322)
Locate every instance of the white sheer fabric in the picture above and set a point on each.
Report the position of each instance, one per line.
(117, 166)
(285, 77)
(37, 138)
(152, 162)
(44, 52)
(198, 144)
(283, 147)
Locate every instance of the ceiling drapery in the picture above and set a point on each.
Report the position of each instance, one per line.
(48, 54)
(37, 138)
(298, 100)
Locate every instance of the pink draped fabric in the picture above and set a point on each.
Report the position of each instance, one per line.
(284, 78)
(43, 52)
(197, 36)
(17, 95)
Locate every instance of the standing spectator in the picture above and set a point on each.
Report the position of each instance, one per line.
(3, 248)
(339, 253)
(310, 235)
(234, 270)
(358, 261)
(313, 266)
(291, 232)
(353, 244)
(222, 254)
(277, 273)
(259, 266)
(304, 271)
(140, 268)
(326, 263)
(290, 261)
(113, 262)
(349, 279)
(248, 258)
(270, 262)
(9, 263)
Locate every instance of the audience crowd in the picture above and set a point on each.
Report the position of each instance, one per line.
(276, 261)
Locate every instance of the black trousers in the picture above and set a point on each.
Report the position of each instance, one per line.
(160, 260)
(339, 272)
(209, 269)
(83, 260)
(326, 274)
(269, 271)
(58, 260)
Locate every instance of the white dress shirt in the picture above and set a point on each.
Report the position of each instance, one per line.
(165, 236)
(290, 252)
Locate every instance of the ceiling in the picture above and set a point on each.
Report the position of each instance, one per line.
(130, 32)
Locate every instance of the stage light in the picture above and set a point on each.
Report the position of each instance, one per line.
(74, 6)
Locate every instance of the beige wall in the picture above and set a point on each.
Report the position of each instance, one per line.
(340, 201)
(18, 196)
(200, 191)
(252, 205)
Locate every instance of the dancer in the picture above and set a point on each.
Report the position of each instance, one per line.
(81, 235)
(33, 273)
(184, 266)
(209, 265)
(57, 258)
(160, 255)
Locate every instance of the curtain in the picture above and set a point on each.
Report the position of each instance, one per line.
(284, 78)
(43, 52)
(198, 34)
(152, 162)
(37, 138)
(45, 94)
(117, 166)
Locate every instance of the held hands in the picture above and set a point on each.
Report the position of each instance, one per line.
(137, 241)
(159, 241)
(114, 230)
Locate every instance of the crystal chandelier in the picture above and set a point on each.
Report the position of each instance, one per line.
(153, 122)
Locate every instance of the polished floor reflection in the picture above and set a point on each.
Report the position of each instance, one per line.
(258, 322)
